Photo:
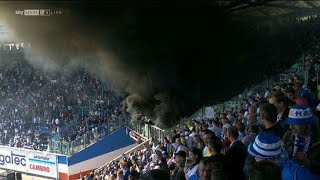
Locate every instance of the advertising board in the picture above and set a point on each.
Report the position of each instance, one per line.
(28, 161)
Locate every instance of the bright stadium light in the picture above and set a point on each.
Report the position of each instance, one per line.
(2, 29)
(6, 37)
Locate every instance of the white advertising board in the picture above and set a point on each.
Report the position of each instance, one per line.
(28, 161)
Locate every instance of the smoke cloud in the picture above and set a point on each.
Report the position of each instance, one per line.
(171, 58)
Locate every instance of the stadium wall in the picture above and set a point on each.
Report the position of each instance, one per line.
(99, 153)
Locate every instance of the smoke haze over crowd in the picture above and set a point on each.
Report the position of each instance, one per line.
(172, 59)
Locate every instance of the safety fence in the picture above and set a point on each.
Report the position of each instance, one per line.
(149, 131)
(146, 134)
(70, 148)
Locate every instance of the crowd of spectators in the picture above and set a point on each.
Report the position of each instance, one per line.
(272, 135)
(37, 107)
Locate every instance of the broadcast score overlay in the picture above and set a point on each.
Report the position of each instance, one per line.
(38, 12)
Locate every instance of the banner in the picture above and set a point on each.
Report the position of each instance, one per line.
(209, 113)
(135, 136)
(28, 161)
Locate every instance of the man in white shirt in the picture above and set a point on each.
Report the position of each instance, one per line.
(213, 126)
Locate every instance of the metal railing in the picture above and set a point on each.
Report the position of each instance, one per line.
(149, 131)
(134, 135)
(126, 154)
(85, 140)
(82, 142)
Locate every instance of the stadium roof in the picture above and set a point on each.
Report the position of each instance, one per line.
(274, 9)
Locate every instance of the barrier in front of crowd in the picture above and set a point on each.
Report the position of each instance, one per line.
(136, 136)
(83, 141)
(94, 156)
(38, 163)
(139, 138)
(156, 133)
(149, 131)
(70, 148)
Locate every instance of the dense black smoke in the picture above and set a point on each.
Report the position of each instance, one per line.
(172, 58)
